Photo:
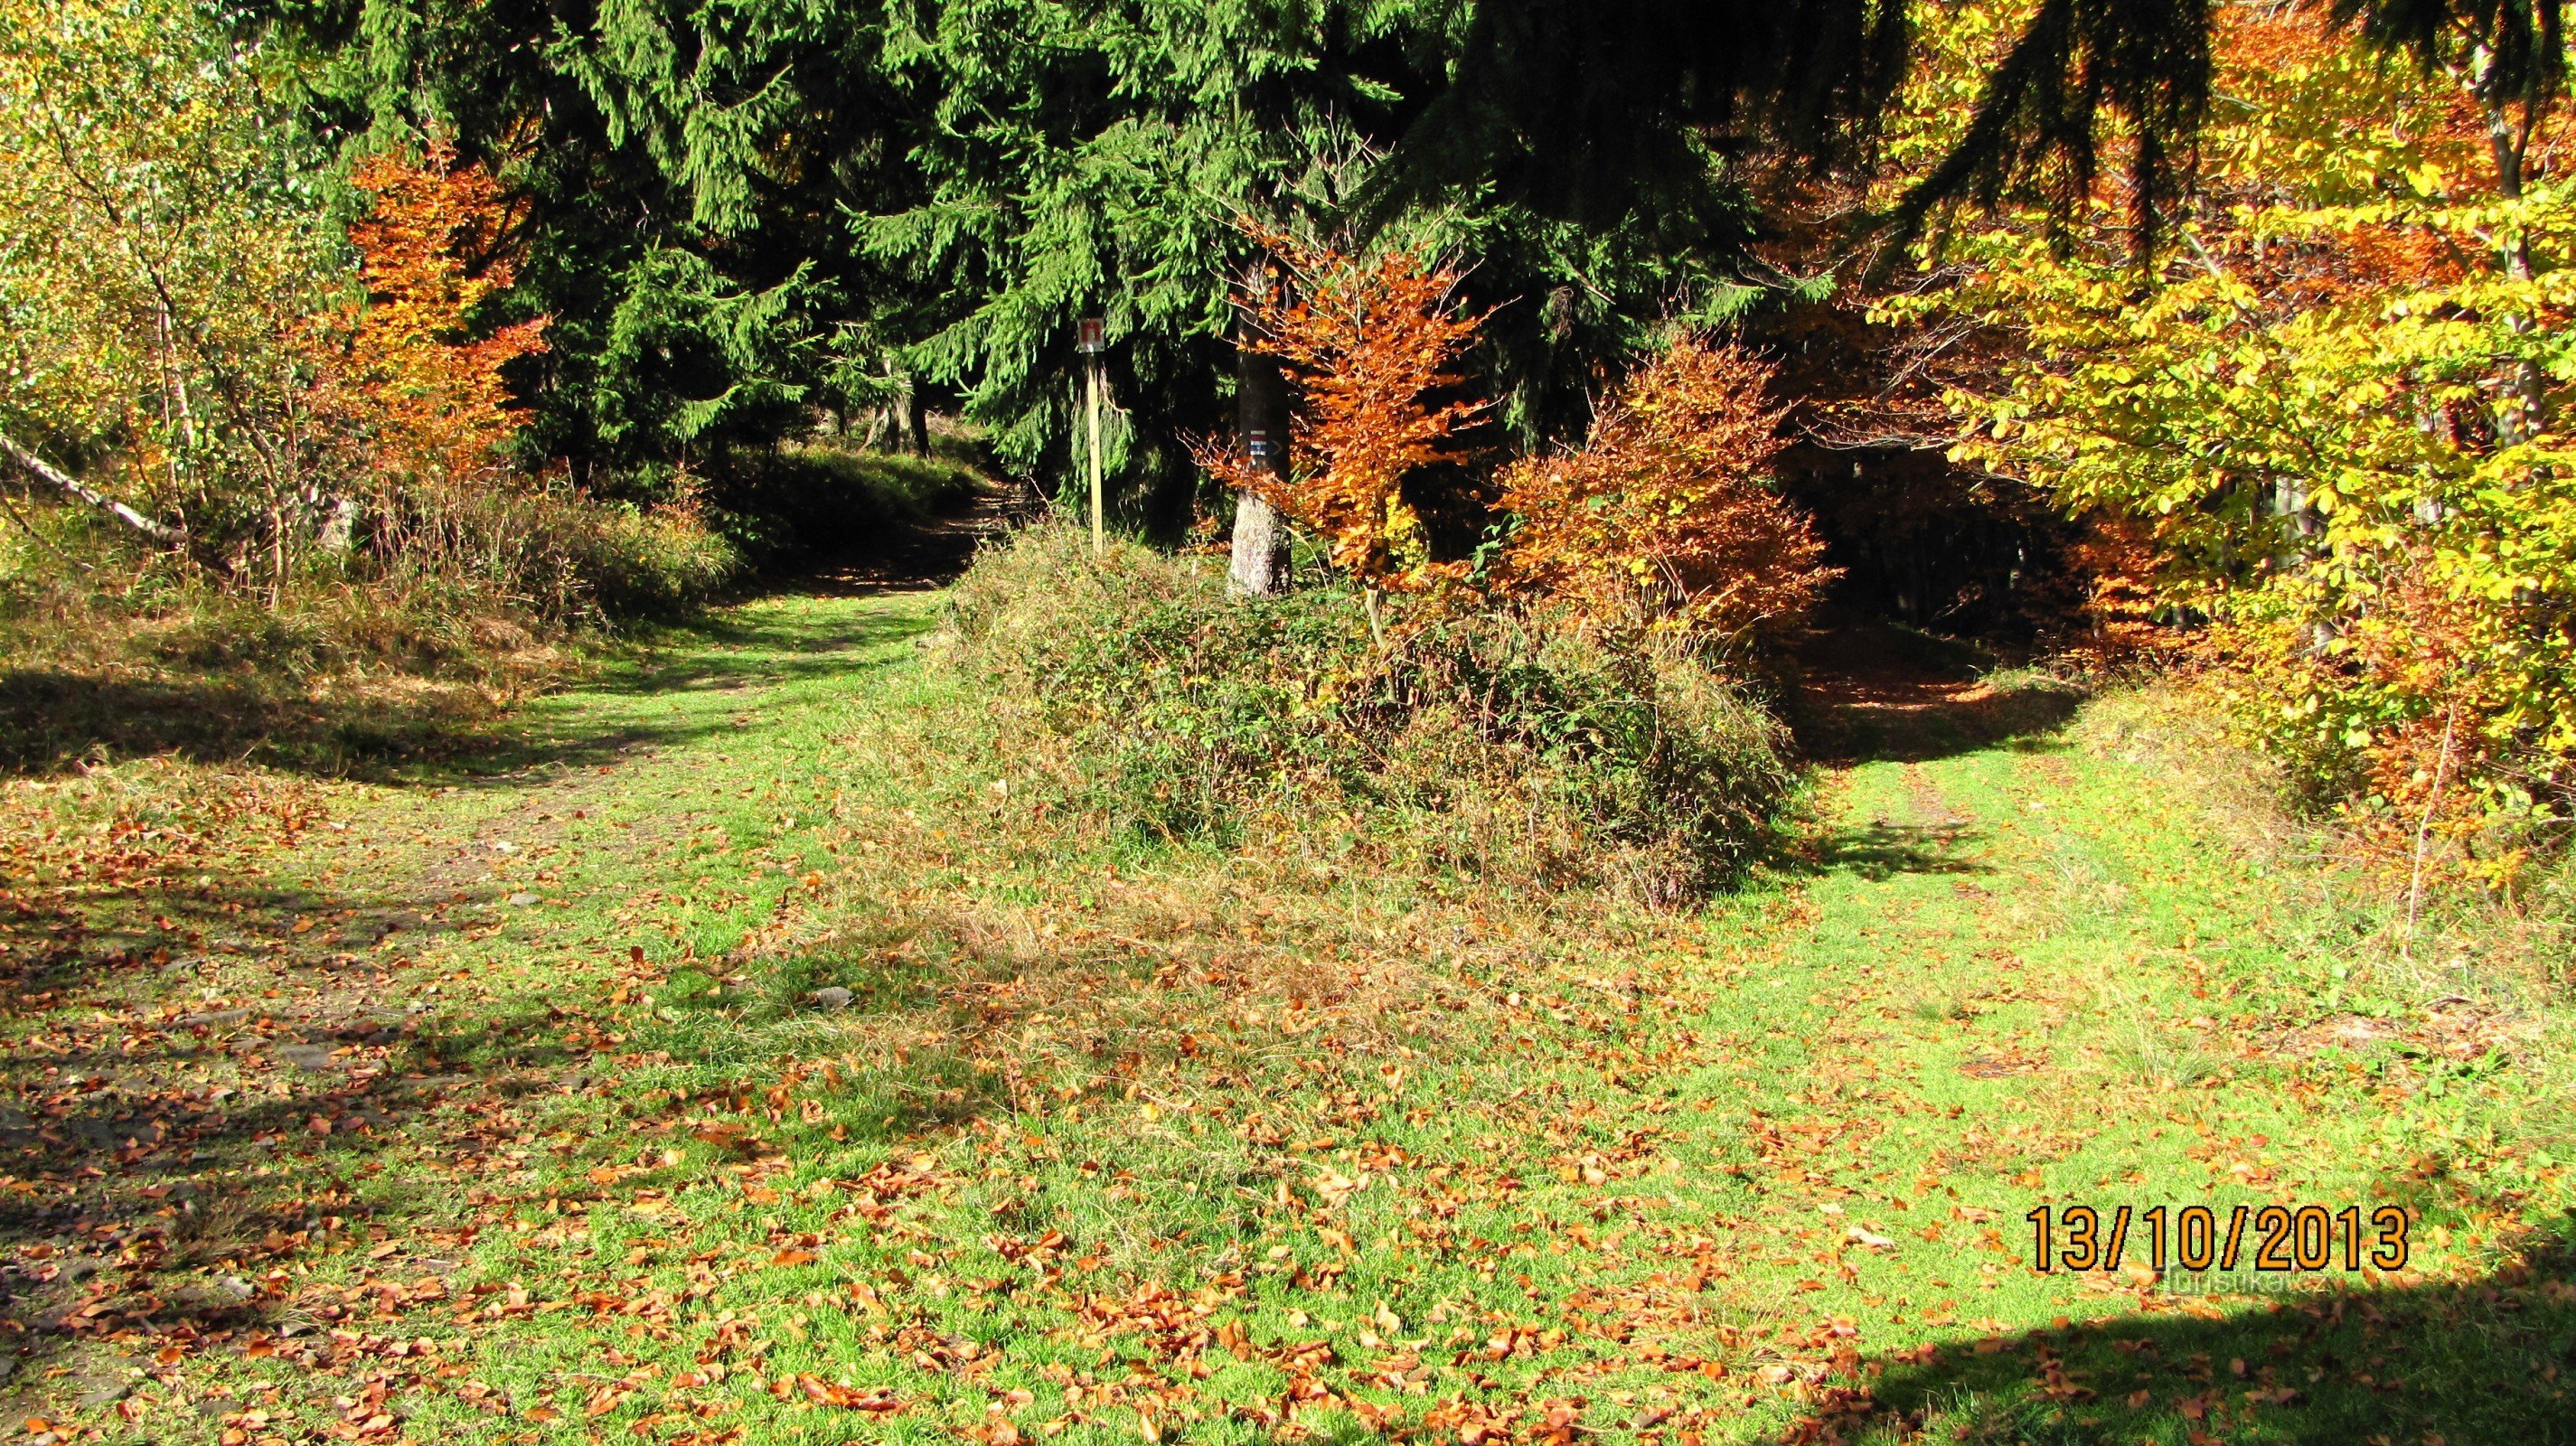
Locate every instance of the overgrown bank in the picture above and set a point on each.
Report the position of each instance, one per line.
(111, 651)
(1534, 750)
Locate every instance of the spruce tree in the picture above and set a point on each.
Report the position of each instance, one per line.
(744, 216)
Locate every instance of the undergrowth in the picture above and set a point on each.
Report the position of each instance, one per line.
(364, 660)
(1506, 747)
(2432, 934)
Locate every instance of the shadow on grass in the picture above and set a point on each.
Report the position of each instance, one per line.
(164, 1148)
(162, 1152)
(203, 1064)
(2489, 1361)
(1882, 850)
(53, 722)
(1973, 718)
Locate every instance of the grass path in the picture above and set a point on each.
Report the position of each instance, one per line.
(514, 1105)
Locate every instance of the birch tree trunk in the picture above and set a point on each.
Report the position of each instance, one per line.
(46, 471)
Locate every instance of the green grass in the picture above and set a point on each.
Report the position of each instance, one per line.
(1114, 1143)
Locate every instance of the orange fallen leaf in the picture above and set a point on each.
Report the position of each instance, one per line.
(848, 1398)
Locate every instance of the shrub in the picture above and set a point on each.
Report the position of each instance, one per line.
(639, 563)
(549, 556)
(1528, 749)
(622, 562)
(1667, 514)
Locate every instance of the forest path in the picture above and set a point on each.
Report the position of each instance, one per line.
(508, 1108)
(1872, 689)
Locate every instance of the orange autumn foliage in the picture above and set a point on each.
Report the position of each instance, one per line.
(1665, 516)
(424, 396)
(1371, 347)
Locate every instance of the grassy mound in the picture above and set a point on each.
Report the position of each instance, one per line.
(1503, 747)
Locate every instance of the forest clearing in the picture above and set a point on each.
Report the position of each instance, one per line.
(1467, 722)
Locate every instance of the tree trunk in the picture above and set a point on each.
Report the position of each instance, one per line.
(1260, 564)
(2525, 414)
(47, 472)
(916, 420)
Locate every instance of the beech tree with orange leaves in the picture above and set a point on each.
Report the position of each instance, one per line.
(424, 410)
(1371, 347)
(428, 390)
(1665, 516)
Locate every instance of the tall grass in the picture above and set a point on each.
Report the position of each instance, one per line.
(109, 648)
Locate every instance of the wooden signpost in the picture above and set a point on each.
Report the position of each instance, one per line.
(1093, 340)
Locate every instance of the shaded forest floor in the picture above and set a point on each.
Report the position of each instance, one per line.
(721, 1053)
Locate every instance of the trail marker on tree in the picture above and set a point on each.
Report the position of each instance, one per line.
(1093, 339)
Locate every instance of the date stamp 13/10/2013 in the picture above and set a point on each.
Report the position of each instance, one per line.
(2263, 1240)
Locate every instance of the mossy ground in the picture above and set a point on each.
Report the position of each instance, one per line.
(501, 1103)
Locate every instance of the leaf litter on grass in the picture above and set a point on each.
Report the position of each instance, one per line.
(1111, 1145)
